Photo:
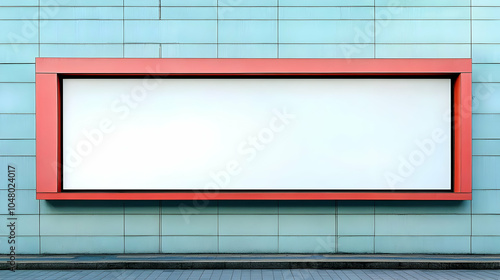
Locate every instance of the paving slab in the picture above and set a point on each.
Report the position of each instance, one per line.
(253, 261)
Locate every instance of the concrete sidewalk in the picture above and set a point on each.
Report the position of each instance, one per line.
(253, 261)
(252, 274)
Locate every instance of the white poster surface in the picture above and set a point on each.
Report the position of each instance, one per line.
(256, 134)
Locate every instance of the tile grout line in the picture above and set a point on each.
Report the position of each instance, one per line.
(160, 225)
(39, 208)
(336, 227)
(160, 55)
(124, 234)
(38, 28)
(217, 50)
(278, 29)
(218, 224)
(470, 18)
(374, 215)
(374, 32)
(123, 30)
(278, 225)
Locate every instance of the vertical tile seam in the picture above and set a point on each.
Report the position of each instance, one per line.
(160, 250)
(39, 212)
(39, 28)
(39, 231)
(278, 225)
(123, 206)
(160, 55)
(374, 204)
(374, 35)
(123, 42)
(470, 19)
(336, 227)
(217, 56)
(217, 203)
(278, 46)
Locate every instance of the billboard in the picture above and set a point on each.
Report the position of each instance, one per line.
(253, 129)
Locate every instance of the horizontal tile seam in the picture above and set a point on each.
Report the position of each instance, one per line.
(235, 19)
(156, 43)
(242, 6)
(367, 215)
(245, 19)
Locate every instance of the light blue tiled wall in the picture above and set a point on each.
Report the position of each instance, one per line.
(250, 29)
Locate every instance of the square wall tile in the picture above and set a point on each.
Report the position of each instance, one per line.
(484, 172)
(24, 225)
(25, 200)
(422, 207)
(321, 244)
(86, 225)
(17, 147)
(25, 173)
(18, 53)
(422, 244)
(189, 225)
(189, 244)
(82, 245)
(142, 225)
(485, 225)
(356, 224)
(486, 53)
(307, 224)
(17, 73)
(485, 202)
(17, 97)
(81, 31)
(486, 98)
(247, 31)
(24, 245)
(142, 50)
(17, 126)
(356, 244)
(485, 244)
(482, 126)
(142, 244)
(248, 225)
(248, 244)
(325, 31)
(422, 225)
(423, 31)
(248, 51)
(189, 50)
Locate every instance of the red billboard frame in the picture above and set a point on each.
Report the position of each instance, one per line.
(48, 118)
